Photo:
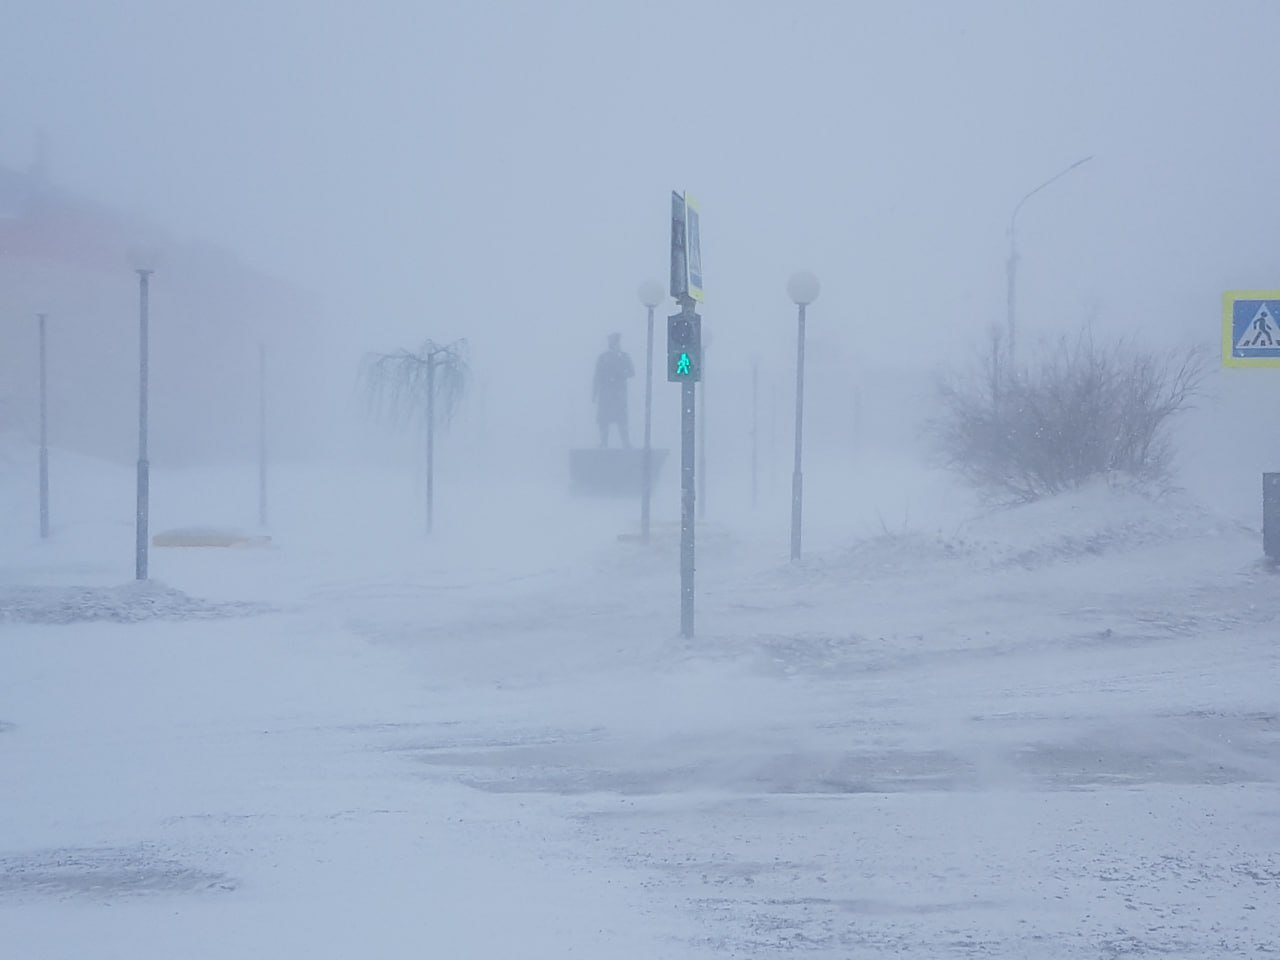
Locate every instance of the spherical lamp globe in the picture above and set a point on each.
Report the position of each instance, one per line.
(651, 293)
(803, 287)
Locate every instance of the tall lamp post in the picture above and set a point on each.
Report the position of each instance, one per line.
(755, 430)
(44, 432)
(1012, 265)
(803, 288)
(262, 434)
(651, 294)
(144, 465)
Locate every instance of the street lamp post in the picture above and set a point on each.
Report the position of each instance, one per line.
(651, 294)
(1012, 263)
(803, 288)
(262, 434)
(431, 440)
(144, 465)
(44, 432)
(755, 430)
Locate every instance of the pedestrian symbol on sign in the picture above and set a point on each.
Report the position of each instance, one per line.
(1261, 332)
(684, 348)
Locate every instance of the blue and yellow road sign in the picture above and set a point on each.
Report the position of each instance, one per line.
(1251, 328)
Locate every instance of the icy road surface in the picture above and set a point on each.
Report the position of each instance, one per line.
(1048, 733)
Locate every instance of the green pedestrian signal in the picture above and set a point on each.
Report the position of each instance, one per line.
(684, 348)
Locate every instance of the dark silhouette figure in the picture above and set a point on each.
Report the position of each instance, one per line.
(609, 390)
(1261, 331)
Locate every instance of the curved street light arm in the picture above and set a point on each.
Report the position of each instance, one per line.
(1012, 263)
(1056, 177)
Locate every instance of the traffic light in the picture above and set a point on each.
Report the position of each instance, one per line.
(684, 348)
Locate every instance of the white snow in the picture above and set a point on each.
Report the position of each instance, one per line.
(1045, 732)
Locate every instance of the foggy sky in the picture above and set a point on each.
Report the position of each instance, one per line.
(500, 170)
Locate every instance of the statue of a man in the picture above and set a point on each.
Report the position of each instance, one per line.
(609, 390)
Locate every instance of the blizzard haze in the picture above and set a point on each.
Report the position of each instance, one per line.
(500, 171)
(948, 729)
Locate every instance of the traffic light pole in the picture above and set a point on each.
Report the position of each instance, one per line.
(688, 397)
(684, 366)
(702, 444)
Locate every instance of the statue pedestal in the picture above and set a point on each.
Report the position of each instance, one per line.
(612, 471)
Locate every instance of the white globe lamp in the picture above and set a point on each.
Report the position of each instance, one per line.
(803, 288)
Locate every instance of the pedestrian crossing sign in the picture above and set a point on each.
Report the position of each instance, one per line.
(1251, 328)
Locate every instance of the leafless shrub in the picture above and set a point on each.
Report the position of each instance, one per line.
(1077, 410)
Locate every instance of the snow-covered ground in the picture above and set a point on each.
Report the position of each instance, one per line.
(1045, 732)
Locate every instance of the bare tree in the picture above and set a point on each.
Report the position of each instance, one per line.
(416, 388)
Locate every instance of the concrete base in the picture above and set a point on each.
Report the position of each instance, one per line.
(611, 472)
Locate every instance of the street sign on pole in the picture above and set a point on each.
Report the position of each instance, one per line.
(686, 248)
(1251, 328)
(693, 246)
(679, 241)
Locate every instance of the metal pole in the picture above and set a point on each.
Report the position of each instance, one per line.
(773, 435)
(1012, 267)
(755, 430)
(646, 482)
(44, 434)
(431, 441)
(262, 434)
(996, 367)
(688, 399)
(797, 478)
(1011, 293)
(144, 465)
(1271, 516)
(702, 441)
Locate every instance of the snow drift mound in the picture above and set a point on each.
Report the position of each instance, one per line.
(126, 604)
(1104, 517)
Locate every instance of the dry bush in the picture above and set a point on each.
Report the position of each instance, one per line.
(1077, 410)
